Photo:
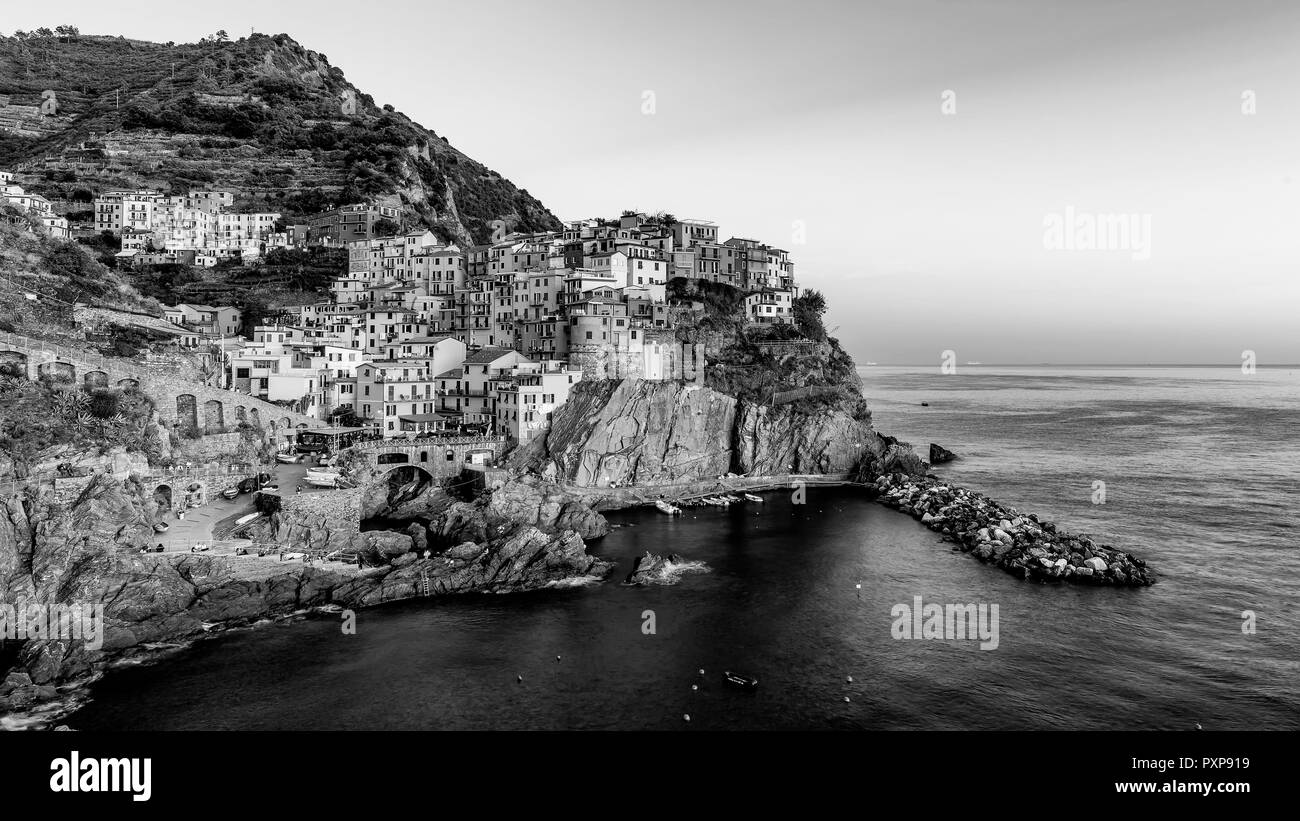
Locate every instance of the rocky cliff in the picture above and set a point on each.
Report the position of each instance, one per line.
(772, 400)
(663, 433)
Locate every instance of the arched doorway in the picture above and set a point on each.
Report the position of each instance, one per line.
(187, 411)
(13, 364)
(58, 371)
(95, 379)
(214, 416)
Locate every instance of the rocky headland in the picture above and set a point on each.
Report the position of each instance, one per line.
(525, 535)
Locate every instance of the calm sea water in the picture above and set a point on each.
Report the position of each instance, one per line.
(1201, 469)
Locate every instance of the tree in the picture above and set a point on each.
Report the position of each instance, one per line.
(20, 35)
(221, 36)
(67, 32)
(44, 31)
(808, 309)
(385, 227)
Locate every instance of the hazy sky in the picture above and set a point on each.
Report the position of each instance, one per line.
(926, 230)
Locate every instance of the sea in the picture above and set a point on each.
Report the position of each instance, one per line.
(1194, 469)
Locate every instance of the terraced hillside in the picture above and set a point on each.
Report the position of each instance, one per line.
(261, 115)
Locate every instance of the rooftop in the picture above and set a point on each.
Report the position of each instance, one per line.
(485, 355)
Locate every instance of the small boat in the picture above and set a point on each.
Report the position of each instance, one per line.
(739, 680)
(288, 458)
(230, 493)
(753, 497)
(243, 520)
(925, 404)
(161, 527)
(665, 507)
(321, 478)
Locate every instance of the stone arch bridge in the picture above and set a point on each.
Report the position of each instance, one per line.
(179, 399)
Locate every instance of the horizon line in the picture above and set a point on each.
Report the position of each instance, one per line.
(1074, 365)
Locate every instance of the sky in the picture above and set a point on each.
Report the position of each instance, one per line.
(933, 166)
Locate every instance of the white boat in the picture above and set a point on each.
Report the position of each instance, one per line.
(287, 458)
(664, 507)
(753, 497)
(321, 478)
(243, 520)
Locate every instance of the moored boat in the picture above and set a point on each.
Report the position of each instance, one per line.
(321, 478)
(665, 507)
(230, 493)
(753, 497)
(739, 680)
(288, 458)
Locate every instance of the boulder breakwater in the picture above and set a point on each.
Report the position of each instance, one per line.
(1019, 543)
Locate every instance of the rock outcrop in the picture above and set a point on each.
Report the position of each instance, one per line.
(1020, 544)
(939, 454)
(527, 559)
(653, 569)
(641, 432)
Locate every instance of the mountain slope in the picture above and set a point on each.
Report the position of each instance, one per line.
(261, 115)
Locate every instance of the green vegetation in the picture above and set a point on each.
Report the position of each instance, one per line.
(808, 309)
(262, 115)
(44, 276)
(38, 415)
(744, 363)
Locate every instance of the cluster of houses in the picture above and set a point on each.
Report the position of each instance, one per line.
(423, 336)
(199, 228)
(36, 205)
(426, 337)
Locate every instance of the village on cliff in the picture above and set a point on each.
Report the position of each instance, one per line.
(422, 337)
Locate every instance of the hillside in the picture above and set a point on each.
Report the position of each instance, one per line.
(41, 278)
(261, 115)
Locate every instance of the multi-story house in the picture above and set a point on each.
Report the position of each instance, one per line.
(464, 392)
(349, 223)
(526, 395)
(770, 307)
(398, 396)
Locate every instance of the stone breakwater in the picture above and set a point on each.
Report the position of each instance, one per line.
(1021, 544)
